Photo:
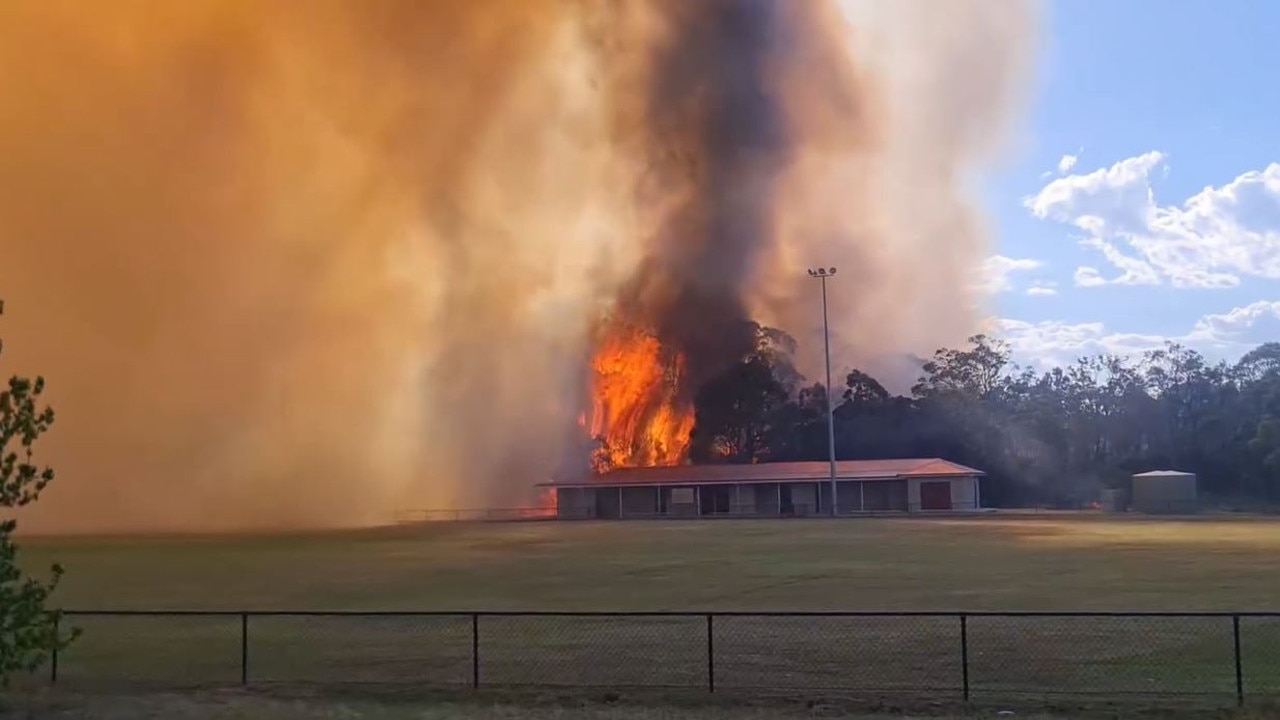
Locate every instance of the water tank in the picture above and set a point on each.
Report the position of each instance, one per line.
(1165, 492)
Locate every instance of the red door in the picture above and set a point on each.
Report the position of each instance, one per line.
(935, 496)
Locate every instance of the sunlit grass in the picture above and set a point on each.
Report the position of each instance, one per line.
(988, 563)
(1261, 535)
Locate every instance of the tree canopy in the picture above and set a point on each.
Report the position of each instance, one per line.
(1054, 437)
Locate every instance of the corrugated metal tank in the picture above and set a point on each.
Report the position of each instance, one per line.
(1164, 491)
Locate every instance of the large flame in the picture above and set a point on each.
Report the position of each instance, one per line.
(636, 410)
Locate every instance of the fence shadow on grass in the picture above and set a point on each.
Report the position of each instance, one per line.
(1226, 658)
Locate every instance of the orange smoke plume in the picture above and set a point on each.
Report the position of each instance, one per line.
(307, 263)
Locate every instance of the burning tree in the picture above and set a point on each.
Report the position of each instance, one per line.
(648, 410)
(638, 417)
(28, 631)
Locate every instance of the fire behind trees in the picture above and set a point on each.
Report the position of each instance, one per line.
(1054, 438)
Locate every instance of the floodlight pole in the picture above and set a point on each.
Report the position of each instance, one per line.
(822, 274)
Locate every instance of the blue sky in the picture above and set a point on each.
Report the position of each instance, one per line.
(1159, 102)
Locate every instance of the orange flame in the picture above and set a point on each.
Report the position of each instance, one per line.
(635, 410)
(548, 502)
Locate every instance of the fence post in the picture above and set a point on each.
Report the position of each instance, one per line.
(964, 653)
(475, 651)
(53, 656)
(711, 653)
(1235, 632)
(244, 648)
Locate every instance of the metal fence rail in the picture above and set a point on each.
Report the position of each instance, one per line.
(1227, 657)
(408, 517)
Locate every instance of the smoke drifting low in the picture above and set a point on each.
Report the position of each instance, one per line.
(303, 264)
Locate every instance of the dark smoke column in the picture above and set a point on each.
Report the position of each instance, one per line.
(717, 142)
(718, 99)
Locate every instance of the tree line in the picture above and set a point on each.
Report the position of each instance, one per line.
(1053, 438)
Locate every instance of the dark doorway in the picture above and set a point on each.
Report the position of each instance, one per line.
(935, 496)
(608, 504)
(715, 499)
(885, 495)
(785, 506)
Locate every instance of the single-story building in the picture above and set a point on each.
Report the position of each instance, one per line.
(771, 490)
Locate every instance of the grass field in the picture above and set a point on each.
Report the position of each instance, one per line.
(275, 705)
(1052, 563)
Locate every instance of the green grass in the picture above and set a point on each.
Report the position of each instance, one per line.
(980, 564)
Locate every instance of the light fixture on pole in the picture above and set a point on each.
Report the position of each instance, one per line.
(822, 274)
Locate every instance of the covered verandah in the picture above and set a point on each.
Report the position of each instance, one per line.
(770, 490)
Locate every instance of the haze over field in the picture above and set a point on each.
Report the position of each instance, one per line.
(300, 264)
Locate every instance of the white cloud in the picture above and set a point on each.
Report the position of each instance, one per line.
(1050, 343)
(1066, 163)
(1086, 276)
(1135, 270)
(1249, 325)
(1042, 289)
(1219, 336)
(1213, 239)
(1108, 199)
(994, 275)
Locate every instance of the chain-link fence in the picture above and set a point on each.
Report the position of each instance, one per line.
(936, 656)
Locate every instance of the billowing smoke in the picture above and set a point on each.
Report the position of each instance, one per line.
(292, 263)
(730, 100)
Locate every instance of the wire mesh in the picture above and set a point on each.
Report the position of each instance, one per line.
(935, 656)
(152, 649)
(867, 654)
(421, 649)
(1260, 656)
(1108, 656)
(606, 651)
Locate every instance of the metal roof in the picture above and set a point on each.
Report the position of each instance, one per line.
(775, 472)
(1164, 473)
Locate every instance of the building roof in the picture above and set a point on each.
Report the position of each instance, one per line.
(1164, 473)
(776, 472)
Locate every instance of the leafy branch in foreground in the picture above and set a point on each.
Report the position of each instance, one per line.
(29, 631)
